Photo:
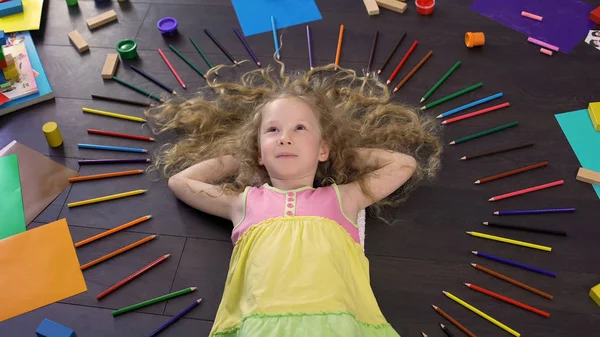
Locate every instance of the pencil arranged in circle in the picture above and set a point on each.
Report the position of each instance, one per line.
(392, 52)
(136, 89)
(401, 63)
(511, 241)
(187, 61)
(204, 57)
(496, 151)
(441, 80)
(131, 277)
(105, 175)
(527, 190)
(113, 230)
(451, 96)
(113, 161)
(106, 198)
(525, 229)
(175, 318)
(309, 42)
(113, 114)
(164, 57)
(111, 148)
(152, 79)
(413, 71)
(476, 113)
(446, 330)
(511, 172)
(482, 314)
(243, 40)
(453, 321)
(122, 100)
(511, 281)
(469, 105)
(535, 211)
(338, 51)
(507, 300)
(484, 133)
(118, 251)
(220, 46)
(423, 334)
(153, 301)
(372, 54)
(514, 264)
(119, 135)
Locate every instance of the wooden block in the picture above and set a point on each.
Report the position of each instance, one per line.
(372, 7)
(49, 328)
(110, 66)
(595, 294)
(10, 72)
(102, 19)
(393, 5)
(595, 15)
(78, 41)
(588, 176)
(594, 112)
(9, 60)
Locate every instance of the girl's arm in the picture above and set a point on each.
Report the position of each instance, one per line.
(194, 186)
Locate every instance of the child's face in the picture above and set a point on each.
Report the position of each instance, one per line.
(290, 140)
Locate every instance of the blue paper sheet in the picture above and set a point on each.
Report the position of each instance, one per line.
(585, 141)
(255, 15)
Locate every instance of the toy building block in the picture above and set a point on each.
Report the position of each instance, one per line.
(595, 15)
(102, 19)
(110, 66)
(49, 328)
(11, 7)
(588, 176)
(372, 7)
(594, 111)
(7, 62)
(595, 294)
(10, 71)
(393, 5)
(78, 41)
(2, 38)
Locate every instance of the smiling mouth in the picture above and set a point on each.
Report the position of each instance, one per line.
(286, 156)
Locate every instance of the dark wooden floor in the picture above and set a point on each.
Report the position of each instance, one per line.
(426, 252)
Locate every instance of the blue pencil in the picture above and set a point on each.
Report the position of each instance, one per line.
(275, 37)
(472, 104)
(175, 318)
(111, 148)
(514, 264)
(536, 211)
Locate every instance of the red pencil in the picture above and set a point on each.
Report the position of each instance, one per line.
(121, 135)
(164, 57)
(527, 190)
(508, 300)
(410, 50)
(132, 276)
(473, 114)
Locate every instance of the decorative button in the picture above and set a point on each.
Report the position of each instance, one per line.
(290, 199)
(291, 194)
(289, 213)
(290, 205)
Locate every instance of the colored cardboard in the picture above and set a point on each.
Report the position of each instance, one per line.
(255, 15)
(11, 207)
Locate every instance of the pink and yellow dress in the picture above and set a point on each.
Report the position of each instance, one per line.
(297, 269)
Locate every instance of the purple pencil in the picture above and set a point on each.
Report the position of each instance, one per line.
(113, 161)
(308, 38)
(175, 318)
(535, 211)
(239, 35)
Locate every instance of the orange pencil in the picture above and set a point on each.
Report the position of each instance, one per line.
(117, 252)
(413, 71)
(339, 47)
(105, 175)
(110, 231)
(508, 300)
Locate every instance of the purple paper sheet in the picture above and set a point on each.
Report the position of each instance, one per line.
(565, 22)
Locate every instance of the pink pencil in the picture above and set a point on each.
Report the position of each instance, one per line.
(527, 190)
(472, 114)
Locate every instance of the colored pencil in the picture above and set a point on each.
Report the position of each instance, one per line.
(117, 252)
(453, 321)
(153, 301)
(111, 148)
(164, 57)
(113, 114)
(113, 230)
(113, 161)
(119, 135)
(175, 318)
(152, 79)
(136, 89)
(338, 52)
(187, 61)
(482, 314)
(243, 40)
(392, 52)
(438, 83)
(525, 229)
(511, 172)
(105, 175)
(105, 198)
(509, 280)
(275, 40)
(527, 190)
(404, 59)
(372, 54)
(514, 264)
(535, 211)
(204, 57)
(476, 113)
(445, 330)
(496, 151)
(423, 334)
(131, 277)
(511, 241)
(484, 133)
(413, 71)
(472, 104)
(122, 100)
(451, 96)
(507, 300)
(218, 44)
(309, 42)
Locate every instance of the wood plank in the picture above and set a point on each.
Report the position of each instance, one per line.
(78, 41)
(101, 19)
(588, 176)
(110, 65)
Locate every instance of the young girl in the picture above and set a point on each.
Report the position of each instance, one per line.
(291, 160)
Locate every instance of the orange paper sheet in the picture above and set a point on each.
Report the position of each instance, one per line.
(38, 267)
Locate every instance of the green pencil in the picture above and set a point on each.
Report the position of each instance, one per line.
(483, 133)
(449, 97)
(440, 81)
(185, 59)
(141, 91)
(201, 53)
(154, 300)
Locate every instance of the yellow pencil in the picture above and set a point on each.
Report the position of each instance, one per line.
(514, 242)
(113, 114)
(105, 198)
(482, 314)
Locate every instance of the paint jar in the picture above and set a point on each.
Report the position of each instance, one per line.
(474, 39)
(127, 49)
(167, 26)
(425, 7)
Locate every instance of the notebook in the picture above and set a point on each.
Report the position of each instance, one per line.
(26, 83)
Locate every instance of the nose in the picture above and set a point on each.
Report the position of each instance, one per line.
(285, 139)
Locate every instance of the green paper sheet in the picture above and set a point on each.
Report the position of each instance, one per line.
(12, 215)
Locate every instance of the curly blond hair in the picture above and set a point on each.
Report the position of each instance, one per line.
(353, 111)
